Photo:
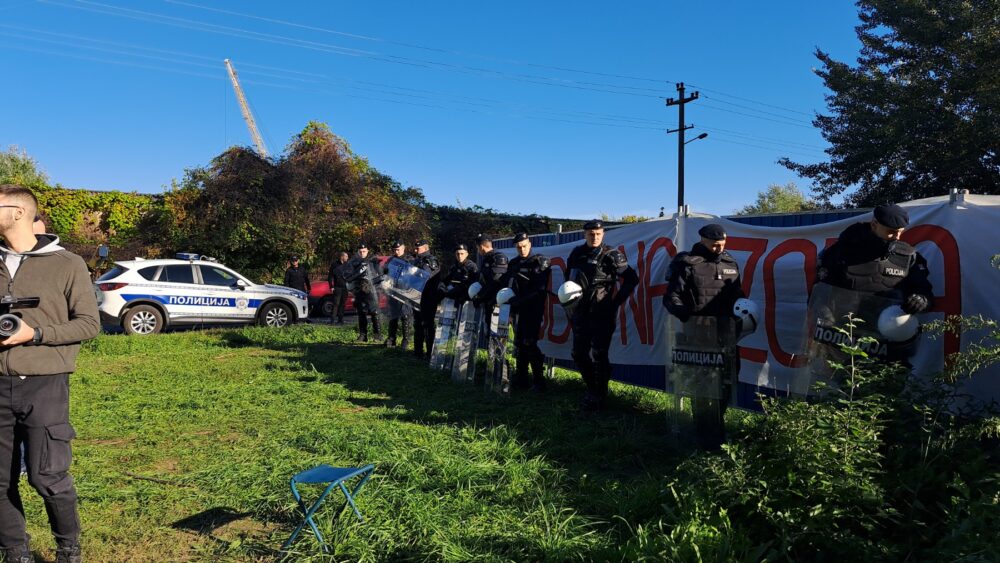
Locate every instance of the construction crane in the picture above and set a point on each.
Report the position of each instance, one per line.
(245, 108)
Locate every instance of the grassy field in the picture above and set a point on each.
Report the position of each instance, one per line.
(186, 442)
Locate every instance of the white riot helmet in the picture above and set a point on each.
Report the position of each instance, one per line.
(748, 311)
(504, 295)
(569, 291)
(474, 290)
(896, 325)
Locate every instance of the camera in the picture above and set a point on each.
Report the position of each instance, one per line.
(10, 322)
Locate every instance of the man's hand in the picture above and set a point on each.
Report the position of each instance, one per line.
(915, 303)
(24, 334)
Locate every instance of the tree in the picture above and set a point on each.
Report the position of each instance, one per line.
(779, 199)
(16, 167)
(918, 115)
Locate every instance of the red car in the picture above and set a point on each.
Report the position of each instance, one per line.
(321, 297)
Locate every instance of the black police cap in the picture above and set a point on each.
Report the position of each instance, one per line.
(422, 242)
(461, 247)
(362, 245)
(481, 239)
(892, 216)
(593, 224)
(293, 257)
(519, 237)
(713, 231)
(396, 244)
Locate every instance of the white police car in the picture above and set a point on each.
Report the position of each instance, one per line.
(147, 296)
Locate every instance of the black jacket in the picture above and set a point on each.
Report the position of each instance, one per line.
(598, 270)
(297, 278)
(702, 283)
(338, 275)
(529, 278)
(861, 261)
(455, 283)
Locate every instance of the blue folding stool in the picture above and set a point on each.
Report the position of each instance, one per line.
(336, 476)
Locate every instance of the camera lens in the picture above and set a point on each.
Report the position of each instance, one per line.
(9, 325)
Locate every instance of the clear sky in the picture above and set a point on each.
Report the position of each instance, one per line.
(554, 108)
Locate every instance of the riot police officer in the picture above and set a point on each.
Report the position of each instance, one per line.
(492, 269)
(597, 268)
(296, 276)
(364, 269)
(705, 282)
(463, 273)
(528, 276)
(423, 319)
(399, 312)
(871, 259)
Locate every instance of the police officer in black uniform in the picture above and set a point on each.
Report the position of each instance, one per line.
(492, 268)
(297, 277)
(706, 282)
(871, 258)
(399, 313)
(337, 278)
(364, 269)
(423, 319)
(528, 276)
(597, 267)
(463, 273)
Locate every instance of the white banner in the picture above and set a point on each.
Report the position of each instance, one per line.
(778, 265)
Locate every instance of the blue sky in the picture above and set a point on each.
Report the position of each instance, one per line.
(554, 108)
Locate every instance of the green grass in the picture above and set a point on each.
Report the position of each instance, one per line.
(186, 442)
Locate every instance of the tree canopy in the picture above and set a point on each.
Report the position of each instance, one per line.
(779, 199)
(918, 114)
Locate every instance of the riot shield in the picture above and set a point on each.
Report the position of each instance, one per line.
(443, 349)
(498, 357)
(702, 365)
(467, 343)
(404, 282)
(840, 318)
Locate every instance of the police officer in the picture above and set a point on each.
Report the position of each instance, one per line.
(463, 273)
(423, 319)
(337, 279)
(492, 268)
(705, 282)
(597, 267)
(871, 258)
(528, 276)
(364, 268)
(296, 276)
(399, 313)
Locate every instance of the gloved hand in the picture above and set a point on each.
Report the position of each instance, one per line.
(915, 303)
(681, 313)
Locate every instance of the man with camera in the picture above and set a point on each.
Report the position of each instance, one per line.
(49, 291)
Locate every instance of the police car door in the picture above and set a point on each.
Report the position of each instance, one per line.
(179, 293)
(224, 301)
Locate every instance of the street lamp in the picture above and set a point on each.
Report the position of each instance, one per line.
(702, 136)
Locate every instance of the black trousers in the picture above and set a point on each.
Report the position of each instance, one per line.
(339, 302)
(592, 332)
(34, 411)
(423, 332)
(527, 352)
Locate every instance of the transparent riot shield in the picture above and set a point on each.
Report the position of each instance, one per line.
(467, 343)
(404, 282)
(443, 350)
(702, 365)
(840, 318)
(498, 357)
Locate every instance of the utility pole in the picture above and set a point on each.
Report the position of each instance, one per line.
(245, 108)
(679, 102)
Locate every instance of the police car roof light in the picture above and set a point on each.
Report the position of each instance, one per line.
(187, 256)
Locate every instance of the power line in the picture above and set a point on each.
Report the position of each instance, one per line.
(778, 115)
(727, 110)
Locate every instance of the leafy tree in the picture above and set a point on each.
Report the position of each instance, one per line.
(16, 167)
(918, 114)
(779, 199)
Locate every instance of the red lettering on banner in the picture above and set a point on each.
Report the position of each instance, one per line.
(756, 247)
(950, 303)
(548, 321)
(636, 300)
(808, 251)
(655, 291)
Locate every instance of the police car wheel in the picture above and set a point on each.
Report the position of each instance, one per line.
(275, 315)
(143, 319)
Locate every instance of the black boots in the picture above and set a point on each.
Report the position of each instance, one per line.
(69, 554)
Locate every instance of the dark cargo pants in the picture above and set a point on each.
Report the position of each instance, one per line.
(35, 411)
